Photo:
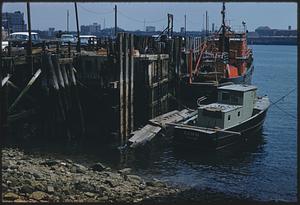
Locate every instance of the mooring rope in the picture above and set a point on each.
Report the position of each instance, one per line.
(281, 98)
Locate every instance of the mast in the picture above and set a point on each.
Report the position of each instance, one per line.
(223, 27)
(184, 25)
(68, 21)
(77, 25)
(116, 21)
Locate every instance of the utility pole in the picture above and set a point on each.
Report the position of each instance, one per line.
(116, 21)
(185, 25)
(206, 25)
(29, 48)
(77, 24)
(203, 29)
(67, 20)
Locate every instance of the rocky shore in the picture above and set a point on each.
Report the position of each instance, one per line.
(32, 178)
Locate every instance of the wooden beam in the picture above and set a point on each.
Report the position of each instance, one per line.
(5, 80)
(32, 80)
(202, 128)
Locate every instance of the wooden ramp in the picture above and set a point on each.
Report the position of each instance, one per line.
(157, 125)
(172, 117)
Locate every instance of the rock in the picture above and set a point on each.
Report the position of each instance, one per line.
(50, 162)
(134, 178)
(155, 184)
(89, 194)
(10, 196)
(102, 199)
(125, 171)
(27, 189)
(38, 186)
(50, 189)
(20, 201)
(79, 168)
(98, 167)
(84, 186)
(5, 165)
(38, 195)
(111, 182)
(73, 170)
(37, 174)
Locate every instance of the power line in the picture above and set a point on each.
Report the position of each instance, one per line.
(289, 114)
(141, 21)
(274, 103)
(94, 12)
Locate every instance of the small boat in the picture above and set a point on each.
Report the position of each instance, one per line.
(235, 117)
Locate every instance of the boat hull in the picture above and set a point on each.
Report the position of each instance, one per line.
(184, 137)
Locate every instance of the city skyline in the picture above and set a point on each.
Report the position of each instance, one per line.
(129, 15)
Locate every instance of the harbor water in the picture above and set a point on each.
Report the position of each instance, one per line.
(264, 170)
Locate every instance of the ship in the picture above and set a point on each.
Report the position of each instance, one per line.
(224, 58)
(233, 119)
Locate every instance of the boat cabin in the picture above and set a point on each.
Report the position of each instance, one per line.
(234, 105)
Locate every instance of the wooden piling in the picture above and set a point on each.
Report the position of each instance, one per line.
(126, 86)
(131, 83)
(120, 57)
(29, 47)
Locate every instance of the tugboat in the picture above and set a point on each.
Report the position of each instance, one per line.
(236, 115)
(224, 58)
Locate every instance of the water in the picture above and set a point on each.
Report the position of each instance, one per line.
(265, 170)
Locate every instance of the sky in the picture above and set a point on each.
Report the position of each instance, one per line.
(135, 16)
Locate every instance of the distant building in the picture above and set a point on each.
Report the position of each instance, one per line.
(182, 29)
(13, 22)
(290, 27)
(267, 31)
(51, 32)
(150, 28)
(90, 29)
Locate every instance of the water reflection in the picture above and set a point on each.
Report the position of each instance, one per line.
(168, 155)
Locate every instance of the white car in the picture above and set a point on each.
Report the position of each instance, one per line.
(4, 45)
(21, 38)
(84, 39)
(65, 38)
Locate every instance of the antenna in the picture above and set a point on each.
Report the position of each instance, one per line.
(185, 25)
(116, 20)
(206, 25)
(67, 20)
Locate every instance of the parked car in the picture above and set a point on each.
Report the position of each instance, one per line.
(66, 38)
(84, 39)
(20, 39)
(4, 45)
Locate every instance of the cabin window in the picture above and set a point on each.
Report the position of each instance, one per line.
(239, 113)
(228, 117)
(212, 114)
(234, 99)
(225, 96)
